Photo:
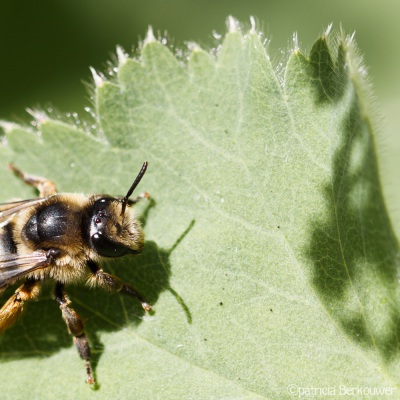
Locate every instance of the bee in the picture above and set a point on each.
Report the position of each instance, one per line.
(63, 237)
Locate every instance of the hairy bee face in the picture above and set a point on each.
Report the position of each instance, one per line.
(111, 233)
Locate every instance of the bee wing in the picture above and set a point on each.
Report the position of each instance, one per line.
(14, 266)
(8, 209)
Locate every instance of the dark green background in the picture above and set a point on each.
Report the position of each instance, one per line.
(47, 47)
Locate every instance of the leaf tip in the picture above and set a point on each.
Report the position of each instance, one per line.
(193, 47)
(7, 126)
(121, 55)
(149, 36)
(328, 30)
(232, 24)
(40, 116)
(253, 25)
(350, 39)
(296, 47)
(98, 80)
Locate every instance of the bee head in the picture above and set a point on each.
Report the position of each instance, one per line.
(113, 229)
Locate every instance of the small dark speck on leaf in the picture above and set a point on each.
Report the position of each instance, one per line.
(205, 339)
(217, 105)
(278, 226)
(270, 309)
(221, 303)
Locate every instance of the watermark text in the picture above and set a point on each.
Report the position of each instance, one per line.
(299, 392)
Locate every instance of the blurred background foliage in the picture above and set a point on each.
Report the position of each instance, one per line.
(47, 47)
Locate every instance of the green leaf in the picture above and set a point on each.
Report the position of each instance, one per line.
(270, 259)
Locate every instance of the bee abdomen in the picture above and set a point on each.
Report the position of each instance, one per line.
(7, 243)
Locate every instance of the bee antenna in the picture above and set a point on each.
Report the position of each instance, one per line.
(133, 187)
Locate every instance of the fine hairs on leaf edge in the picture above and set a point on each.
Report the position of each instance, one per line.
(93, 129)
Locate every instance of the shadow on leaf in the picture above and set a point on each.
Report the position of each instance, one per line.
(352, 247)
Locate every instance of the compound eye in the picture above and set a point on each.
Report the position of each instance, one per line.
(106, 247)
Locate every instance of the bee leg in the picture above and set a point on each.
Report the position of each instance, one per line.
(13, 308)
(75, 328)
(141, 196)
(45, 186)
(110, 282)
